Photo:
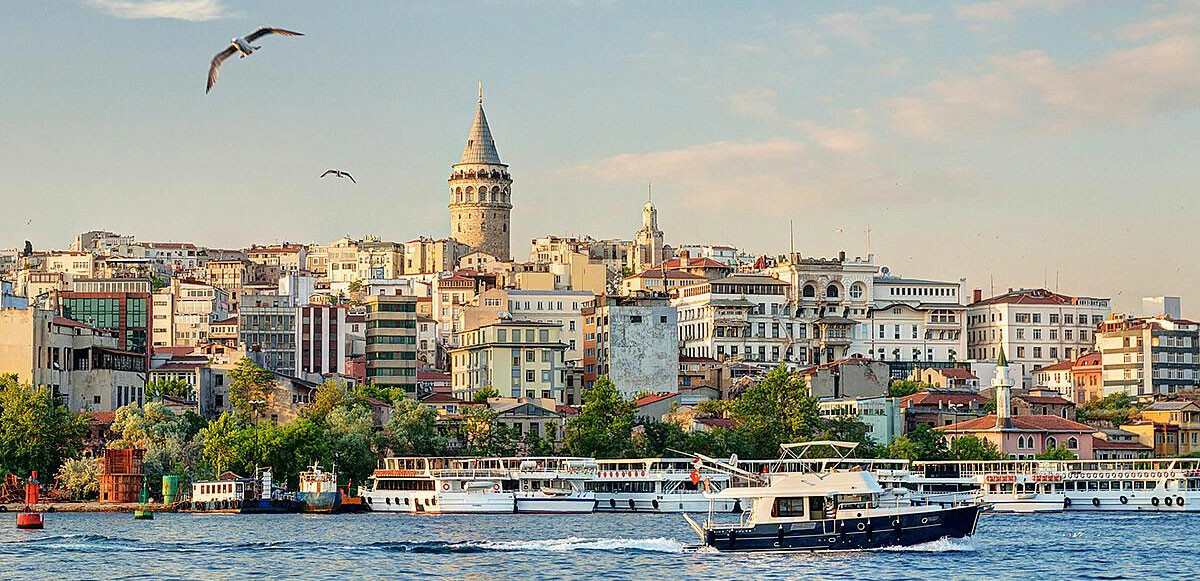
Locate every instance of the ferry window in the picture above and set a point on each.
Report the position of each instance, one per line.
(1070, 485)
(1093, 485)
(1104, 485)
(788, 507)
(1127, 485)
(1139, 485)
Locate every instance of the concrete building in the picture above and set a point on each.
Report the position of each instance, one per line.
(1036, 327)
(9, 299)
(746, 317)
(285, 258)
(430, 256)
(267, 331)
(126, 313)
(922, 321)
(84, 366)
(634, 343)
(881, 415)
(1176, 427)
(654, 280)
(517, 358)
(480, 193)
(700, 266)
(1148, 357)
(951, 377)
(1087, 375)
(391, 349)
(184, 311)
(1171, 307)
(322, 342)
(1056, 378)
(853, 377)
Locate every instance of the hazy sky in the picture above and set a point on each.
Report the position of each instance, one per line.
(1014, 141)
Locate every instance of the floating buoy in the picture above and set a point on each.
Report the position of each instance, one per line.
(28, 519)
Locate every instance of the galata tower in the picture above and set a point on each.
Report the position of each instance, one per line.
(480, 187)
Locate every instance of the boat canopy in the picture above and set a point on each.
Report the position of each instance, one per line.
(807, 484)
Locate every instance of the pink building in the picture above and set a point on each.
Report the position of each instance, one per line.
(1027, 436)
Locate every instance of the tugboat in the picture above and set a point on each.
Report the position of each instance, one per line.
(318, 490)
(832, 510)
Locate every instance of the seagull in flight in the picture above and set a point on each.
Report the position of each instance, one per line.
(243, 46)
(337, 173)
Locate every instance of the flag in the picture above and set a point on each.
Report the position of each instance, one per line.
(695, 476)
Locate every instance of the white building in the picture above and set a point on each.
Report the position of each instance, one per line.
(635, 344)
(916, 320)
(742, 317)
(1148, 356)
(1035, 327)
(184, 310)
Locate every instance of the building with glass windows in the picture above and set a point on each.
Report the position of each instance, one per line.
(128, 314)
(267, 331)
(391, 341)
(517, 358)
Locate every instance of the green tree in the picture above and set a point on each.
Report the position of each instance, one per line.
(604, 425)
(1115, 409)
(332, 395)
(250, 389)
(849, 429)
(483, 395)
(1059, 452)
(81, 477)
(922, 443)
(777, 410)
(221, 444)
(657, 438)
(352, 442)
(166, 438)
(903, 387)
(413, 430)
(972, 447)
(158, 388)
(484, 435)
(901, 447)
(36, 431)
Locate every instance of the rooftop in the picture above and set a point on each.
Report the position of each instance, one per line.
(1020, 423)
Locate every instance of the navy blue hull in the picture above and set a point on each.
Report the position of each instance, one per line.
(849, 534)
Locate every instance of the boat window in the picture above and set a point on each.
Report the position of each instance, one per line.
(816, 508)
(1093, 485)
(1127, 485)
(1139, 485)
(788, 507)
(1103, 485)
(1070, 485)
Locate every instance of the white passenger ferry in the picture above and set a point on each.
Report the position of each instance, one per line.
(1154, 485)
(437, 486)
(657, 485)
(547, 484)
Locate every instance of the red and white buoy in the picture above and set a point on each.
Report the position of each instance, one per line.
(28, 519)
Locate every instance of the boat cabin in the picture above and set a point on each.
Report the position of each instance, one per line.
(797, 497)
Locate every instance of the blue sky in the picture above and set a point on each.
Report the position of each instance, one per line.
(1010, 142)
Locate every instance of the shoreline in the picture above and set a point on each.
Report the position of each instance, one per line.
(94, 507)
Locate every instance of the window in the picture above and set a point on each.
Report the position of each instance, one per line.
(1072, 443)
(635, 318)
(789, 507)
(529, 376)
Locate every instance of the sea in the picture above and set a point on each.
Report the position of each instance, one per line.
(602, 546)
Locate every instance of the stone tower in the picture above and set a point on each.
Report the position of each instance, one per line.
(479, 192)
(648, 242)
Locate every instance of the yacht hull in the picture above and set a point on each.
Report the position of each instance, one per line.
(635, 502)
(850, 534)
(428, 502)
(541, 504)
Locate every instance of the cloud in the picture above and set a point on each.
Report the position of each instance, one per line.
(1029, 88)
(704, 159)
(756, 103)
(859, 28)
(189, 10)
(1172, 25)
(1005, 10)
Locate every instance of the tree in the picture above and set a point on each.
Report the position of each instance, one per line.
(849, 429)
(657, 438)
(250, 388)
(81, 477)
(777, 410)
(413, 431)
(36, 431)
(158, 388)
(603, 427)
(483, 395)
(165, 437)
(220, 444)
(485, 435)
(972, 447)
(351, 435)
(1115, 409)
(905, 387)
(922, 443)
(901, 448)
(330, 396)
(1058, 452)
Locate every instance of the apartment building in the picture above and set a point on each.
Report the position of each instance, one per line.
(391, 341)
(517, 358)
(1148, 356)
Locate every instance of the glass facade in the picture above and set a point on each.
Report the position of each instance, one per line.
(130, 319)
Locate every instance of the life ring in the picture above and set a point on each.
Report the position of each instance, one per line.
(1154, 501)
(406, 501)
(1095, 501)
(612, 503)
(896, 525)
(1124, 500)
(445, 486)
(862, 526)
(631, 505)
(654, 503)
(495, 488)
(1179, 500)
(1169, 501)
(1067, 502)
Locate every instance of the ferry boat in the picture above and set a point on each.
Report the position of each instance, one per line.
(547, 484)
(234, 494)
(318, 490)
(833, 510)
(1147, 485)
(657, 485)
(437, 486)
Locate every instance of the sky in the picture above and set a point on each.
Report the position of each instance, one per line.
(1014, 143)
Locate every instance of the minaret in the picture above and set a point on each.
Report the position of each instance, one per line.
(480, 187)
(1002, 391)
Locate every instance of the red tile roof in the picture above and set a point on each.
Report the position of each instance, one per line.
(432, 376)
(174, 352)
(702, 262)
(1060, 366)
(102, 417)
(671, 274)
(933, 398)
(1037, 296)
(956, 373)
(1102, 444)
(652, 398)
(1023, 423)
(65, 322)
(1043, 399)
(190, 366)
(444, 398)
(567, 410)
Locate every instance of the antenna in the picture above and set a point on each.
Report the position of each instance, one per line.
(649, 192)
(791, 238)
(868, 242)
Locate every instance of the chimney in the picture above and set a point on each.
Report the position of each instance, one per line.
(683, 257)
(977, 295)
(1010, 289)
(842, 256)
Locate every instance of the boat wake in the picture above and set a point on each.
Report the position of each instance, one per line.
(656, 545)
(942, 545)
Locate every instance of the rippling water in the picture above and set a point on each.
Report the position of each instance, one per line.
(613, 546)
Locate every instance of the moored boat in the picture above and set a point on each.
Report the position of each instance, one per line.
(656, 485)
(318, 490)
(437, 486)
(550, 485)
(231, 493)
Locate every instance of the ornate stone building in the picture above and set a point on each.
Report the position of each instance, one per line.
(479, 192)
(648, 242)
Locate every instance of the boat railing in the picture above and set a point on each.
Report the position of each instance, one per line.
(468, 473)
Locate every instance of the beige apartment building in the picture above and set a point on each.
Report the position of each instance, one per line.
(517, 358)
(391, 341)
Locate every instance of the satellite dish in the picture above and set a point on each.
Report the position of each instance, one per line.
(733, 459)
(504, 316)
(885, 271)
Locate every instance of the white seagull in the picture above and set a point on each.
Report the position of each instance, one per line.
(337, 173)
(243, 46)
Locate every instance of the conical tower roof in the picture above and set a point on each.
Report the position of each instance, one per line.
(1001, 360)
(481, 148)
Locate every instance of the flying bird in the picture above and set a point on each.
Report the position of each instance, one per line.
(243, 46)
(337, 173)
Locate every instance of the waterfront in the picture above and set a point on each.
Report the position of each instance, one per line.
(612, 546)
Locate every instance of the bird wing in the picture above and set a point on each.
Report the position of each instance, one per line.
(329, 171)
(351, 177)
(261, 32)
(216, 65)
